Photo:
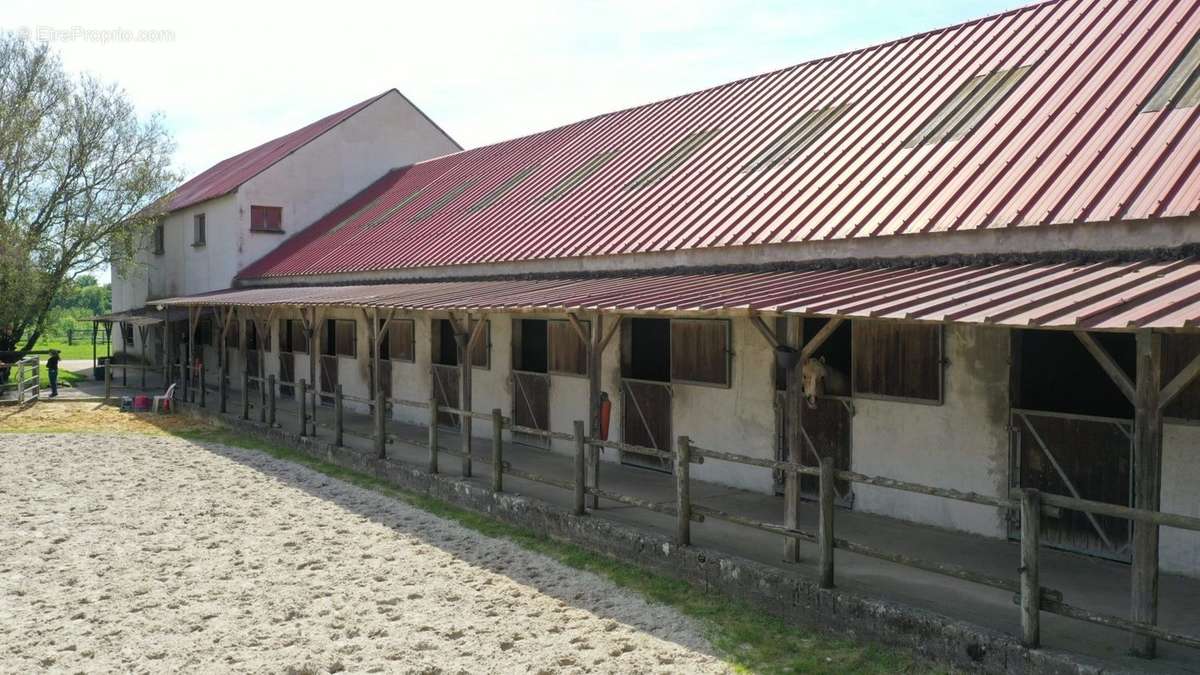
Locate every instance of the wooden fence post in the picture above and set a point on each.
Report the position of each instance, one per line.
(380, 424)
(1031, 589)
(107, 382)
(580, 469)
(245, 393)
(433, 435)
(21, 382)
(497, 450)
(337, 415)
(302, 390)
(683, 499)
(825, 527)
(271, 401)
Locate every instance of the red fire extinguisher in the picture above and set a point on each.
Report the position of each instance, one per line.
(605, 415)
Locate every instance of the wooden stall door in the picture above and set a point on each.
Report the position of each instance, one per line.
(1076, 456)
(385, 377)
(329, 377)
(252, 357)
(287, 373)
(646, 421)
(445, 390)
(531, 406)
(825, 432)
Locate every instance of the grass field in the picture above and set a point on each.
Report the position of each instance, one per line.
(742, 635)
(82, 349)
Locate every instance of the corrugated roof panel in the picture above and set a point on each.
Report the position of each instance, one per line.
(1069, 144)
(1096, 295)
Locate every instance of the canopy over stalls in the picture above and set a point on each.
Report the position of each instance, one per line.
(1106, 295)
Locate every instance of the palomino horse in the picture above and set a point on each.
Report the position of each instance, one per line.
(820, 378)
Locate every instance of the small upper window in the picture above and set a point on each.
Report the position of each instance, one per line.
(198, 233)
(449, 196)
(1181, 86)
(671, 159)
(968, 106)
(503, 189)
(266, 218)
(799, 135)
(160, 244)
(579, 175)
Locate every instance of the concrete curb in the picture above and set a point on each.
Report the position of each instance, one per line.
(797, 600)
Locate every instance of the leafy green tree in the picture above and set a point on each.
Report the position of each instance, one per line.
(80, 174)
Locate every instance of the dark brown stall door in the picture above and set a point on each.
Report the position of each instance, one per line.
(329, 377)
(646, 421)
(1087, 458)
(445, 390)
(646, 391)
(531, 379)
(1072, 436)
(287, 373)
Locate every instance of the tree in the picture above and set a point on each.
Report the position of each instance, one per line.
(81, 178)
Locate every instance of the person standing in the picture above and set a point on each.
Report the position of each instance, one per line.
(52, 371)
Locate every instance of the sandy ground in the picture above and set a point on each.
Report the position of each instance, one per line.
(94, 417)
(152, 554)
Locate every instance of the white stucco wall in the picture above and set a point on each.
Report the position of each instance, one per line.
(307, 184)
(1179, 550)
(961, 444)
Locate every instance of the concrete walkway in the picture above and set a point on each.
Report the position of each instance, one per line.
(1090, 583)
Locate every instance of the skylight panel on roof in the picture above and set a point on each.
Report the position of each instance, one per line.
(503, 189)
(388, 214)
(449, 196)
(671, 159)
(968, 107)
(1181, 87)
(799, 135)
(579, 175)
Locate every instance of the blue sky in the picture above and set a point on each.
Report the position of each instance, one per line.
(229, 75)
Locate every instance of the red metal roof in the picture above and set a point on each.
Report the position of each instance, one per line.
(1069, 145)
(227, 175)
(1097, 295)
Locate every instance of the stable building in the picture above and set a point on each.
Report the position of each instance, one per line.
(965, 259)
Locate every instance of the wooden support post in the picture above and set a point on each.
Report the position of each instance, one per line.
(580, 469)
(793, 395)
(683, 486)
(337, 414)
(193, 320)
(380, 424)
(1031, 589)
(143, 331)
(222, 391)
(595, 354)
(1147, 486)
(168, 332)
(465, 338)
(825, 526)
(497, 450)
(271, 401)
(245, 393)
(107, 382)
(301, 400)
(433, 435)
(203, 387)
